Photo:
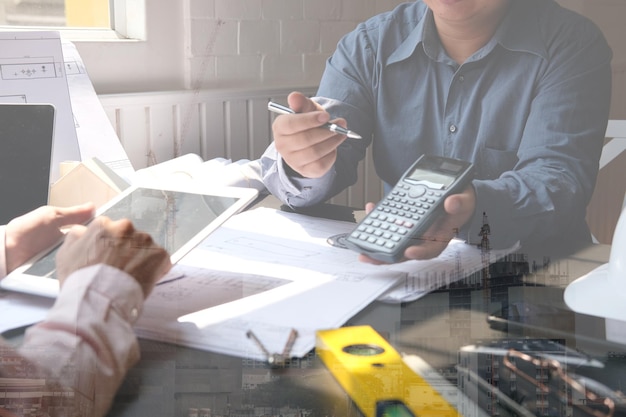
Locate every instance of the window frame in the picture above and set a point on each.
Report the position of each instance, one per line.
(143, 50)
(123, 27)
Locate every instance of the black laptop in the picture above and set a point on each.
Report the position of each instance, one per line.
(26, 136)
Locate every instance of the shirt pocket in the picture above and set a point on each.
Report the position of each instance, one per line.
(493, 162)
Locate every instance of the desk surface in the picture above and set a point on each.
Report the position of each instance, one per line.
(519, 305)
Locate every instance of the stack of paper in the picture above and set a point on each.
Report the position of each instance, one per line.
(272, 272)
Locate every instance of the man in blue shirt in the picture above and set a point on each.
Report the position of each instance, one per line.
(521, 88)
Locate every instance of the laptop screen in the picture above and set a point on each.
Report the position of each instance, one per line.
(26, 135)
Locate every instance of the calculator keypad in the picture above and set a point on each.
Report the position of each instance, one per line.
(396, 216)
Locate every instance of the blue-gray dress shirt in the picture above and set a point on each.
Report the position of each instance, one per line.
(529, 109)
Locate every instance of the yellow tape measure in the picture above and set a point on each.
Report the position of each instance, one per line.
(375, 376)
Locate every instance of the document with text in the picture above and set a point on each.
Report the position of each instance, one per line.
(272, 273)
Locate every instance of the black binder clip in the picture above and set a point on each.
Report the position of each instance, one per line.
(276, 360)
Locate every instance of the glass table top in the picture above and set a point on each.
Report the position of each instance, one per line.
(501, 342)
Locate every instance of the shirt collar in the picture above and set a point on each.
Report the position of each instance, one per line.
(417, 36)
(519, 31)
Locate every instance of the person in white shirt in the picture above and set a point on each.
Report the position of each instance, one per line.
(106, 270)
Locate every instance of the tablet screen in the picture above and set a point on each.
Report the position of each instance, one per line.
(172, 218)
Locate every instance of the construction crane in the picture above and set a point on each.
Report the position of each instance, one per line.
(485, 248)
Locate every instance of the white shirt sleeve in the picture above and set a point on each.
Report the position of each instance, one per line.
(3, 259)
(86, 343)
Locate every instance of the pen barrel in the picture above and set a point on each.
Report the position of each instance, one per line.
(333, 127)
(277, 108)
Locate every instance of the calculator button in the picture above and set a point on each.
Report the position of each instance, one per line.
(417, 191)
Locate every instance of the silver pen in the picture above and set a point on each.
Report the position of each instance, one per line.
(280, 109)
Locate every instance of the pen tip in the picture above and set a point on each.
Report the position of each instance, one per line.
(353, 135)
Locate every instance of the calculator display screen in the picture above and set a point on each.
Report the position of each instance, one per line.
(436, 171)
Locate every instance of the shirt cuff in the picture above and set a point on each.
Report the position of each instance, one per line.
(295, 192)
(121, 290)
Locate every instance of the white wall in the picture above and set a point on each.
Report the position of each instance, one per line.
(156, 64)
(268, 42)
(196, 44)
(212, 44)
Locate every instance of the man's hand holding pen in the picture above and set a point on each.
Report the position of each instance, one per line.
(303, 140)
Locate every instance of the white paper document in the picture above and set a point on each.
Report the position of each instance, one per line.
(20, 310)
(268, 272)
(459, 260)
(96, 136)
(272, 272)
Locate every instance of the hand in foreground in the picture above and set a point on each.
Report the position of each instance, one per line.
(115, 243)
(39, 229)
(459, 210)
(308, 149)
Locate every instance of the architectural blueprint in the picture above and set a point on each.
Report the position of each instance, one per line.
(38, 67)
(32, 71)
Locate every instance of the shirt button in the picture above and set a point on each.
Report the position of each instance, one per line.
(461, 78)
(134, 313)
(452, 128)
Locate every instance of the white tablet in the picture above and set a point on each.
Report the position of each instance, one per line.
(177, 219)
